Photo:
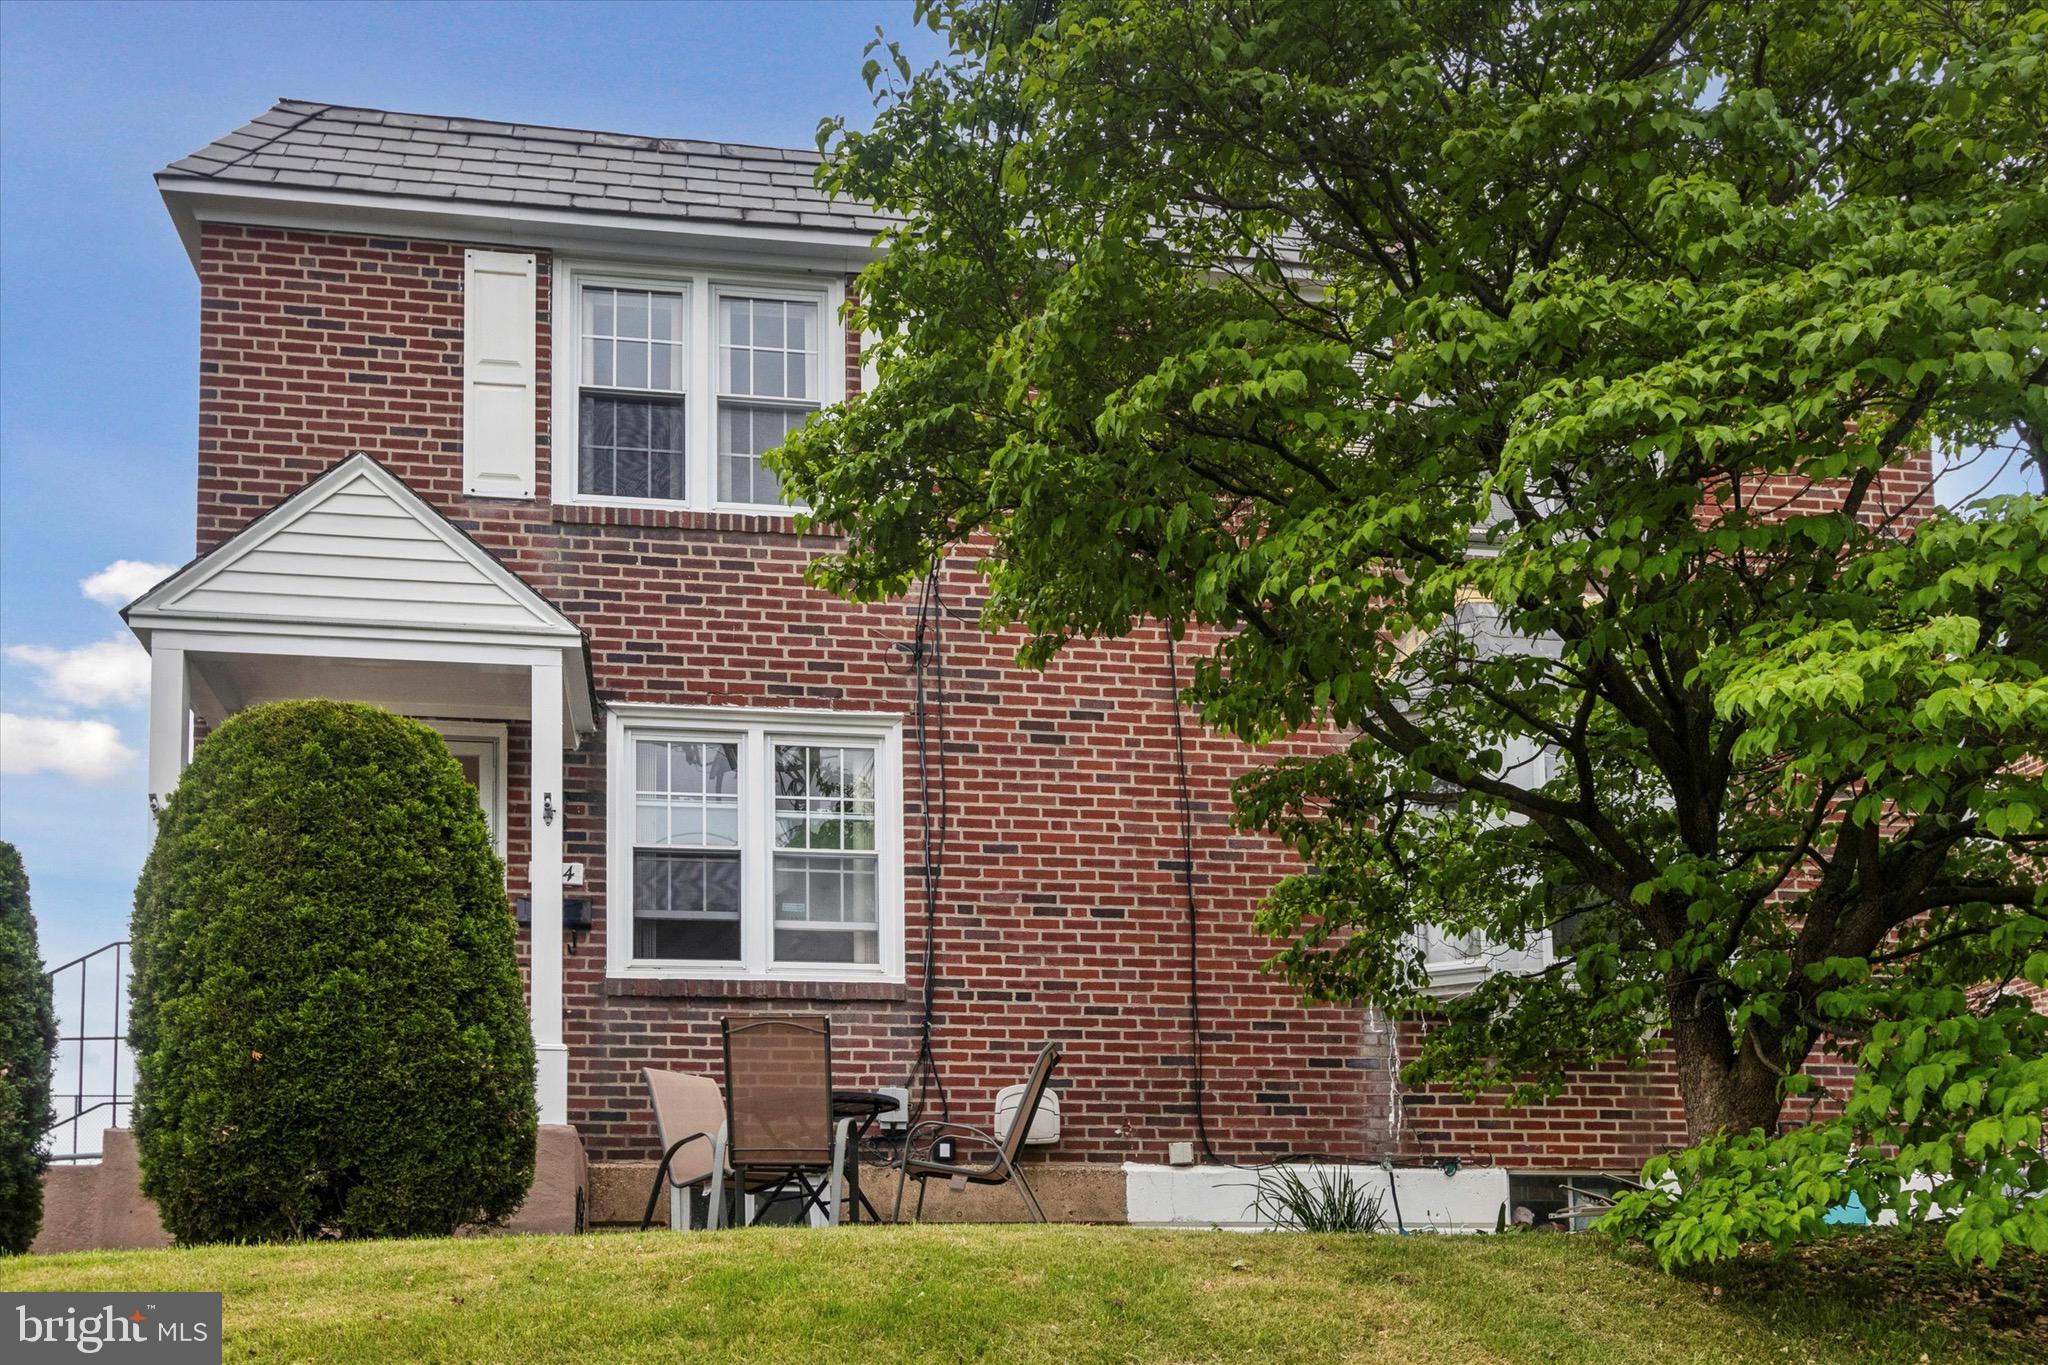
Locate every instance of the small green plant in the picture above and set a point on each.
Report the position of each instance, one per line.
(1314, 1198)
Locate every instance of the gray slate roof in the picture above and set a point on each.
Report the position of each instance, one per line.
(299, 144)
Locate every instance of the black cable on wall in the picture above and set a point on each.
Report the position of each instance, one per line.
(928, 663)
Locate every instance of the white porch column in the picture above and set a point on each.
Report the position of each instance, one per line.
(544, 885)
(170, 722)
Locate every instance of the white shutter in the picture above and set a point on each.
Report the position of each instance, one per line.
(498, 293)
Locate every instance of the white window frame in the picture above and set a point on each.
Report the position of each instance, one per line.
(1453, 975)
(756, 730)
(701, 288)
(492, 745)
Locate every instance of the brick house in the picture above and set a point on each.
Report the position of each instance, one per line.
(481, 415)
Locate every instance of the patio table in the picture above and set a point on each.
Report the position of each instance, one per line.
(864, 1107)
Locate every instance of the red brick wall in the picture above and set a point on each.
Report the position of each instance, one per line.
(1061, 910)
(1610, 1118)
(1061, 913)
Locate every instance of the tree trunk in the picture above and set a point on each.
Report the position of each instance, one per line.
(1723, 1091)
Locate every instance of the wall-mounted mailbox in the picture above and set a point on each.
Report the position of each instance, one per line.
(575, 913)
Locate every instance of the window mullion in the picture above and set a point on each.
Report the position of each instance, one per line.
(701, 354)
(756, 876)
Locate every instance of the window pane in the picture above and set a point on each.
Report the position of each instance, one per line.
(722, 769)
(617, 327)
(651, 826)
(768, 348)
(632, 315)
(651, 766)
(745, 433)
(826, 909)
(632, 366)
(686, 905)
(686, 767)
(630, 447)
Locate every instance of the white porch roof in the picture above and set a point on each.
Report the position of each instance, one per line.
(355, 588)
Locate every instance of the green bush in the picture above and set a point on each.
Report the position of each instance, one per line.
(329, 1029)
(28, 1048)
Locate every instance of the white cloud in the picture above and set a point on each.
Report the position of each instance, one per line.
(124, 580)
(85, 750)
(112, 671)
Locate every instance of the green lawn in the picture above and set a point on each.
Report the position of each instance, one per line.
(1071, 1294)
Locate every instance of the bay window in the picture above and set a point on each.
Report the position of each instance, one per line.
(672, 385)
(755, 843)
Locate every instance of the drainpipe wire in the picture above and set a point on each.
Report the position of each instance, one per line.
(929, 666)
(1197, 1081)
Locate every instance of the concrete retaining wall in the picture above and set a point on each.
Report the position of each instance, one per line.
(102, 1207)
(1221, 1196)
(1070, 1192)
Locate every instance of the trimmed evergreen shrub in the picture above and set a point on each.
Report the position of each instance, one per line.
(330, 1033)
(28, 1049)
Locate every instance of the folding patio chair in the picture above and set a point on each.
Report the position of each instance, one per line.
(999, 1169)
(780, 1137)
(689, 1114)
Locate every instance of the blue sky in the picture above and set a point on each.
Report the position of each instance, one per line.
(99, 310)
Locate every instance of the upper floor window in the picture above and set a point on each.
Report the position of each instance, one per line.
(674, 385)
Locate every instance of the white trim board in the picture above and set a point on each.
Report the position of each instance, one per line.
(193, 200)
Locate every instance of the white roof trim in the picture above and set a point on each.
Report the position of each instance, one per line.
(196, 199)
(514, 623)
(166, 600)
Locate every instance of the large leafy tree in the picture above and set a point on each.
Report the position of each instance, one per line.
(1311, 326)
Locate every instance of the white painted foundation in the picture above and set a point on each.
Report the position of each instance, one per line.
(1221, 1196)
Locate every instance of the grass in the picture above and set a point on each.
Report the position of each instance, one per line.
(1074, 1294)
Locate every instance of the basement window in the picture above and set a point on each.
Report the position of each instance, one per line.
(754, 843)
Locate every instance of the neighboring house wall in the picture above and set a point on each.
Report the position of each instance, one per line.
(1062, 913)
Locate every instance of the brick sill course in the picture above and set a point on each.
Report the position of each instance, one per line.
(683, 519)
(711, 988)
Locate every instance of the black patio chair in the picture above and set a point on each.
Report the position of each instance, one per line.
(998, 1169)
